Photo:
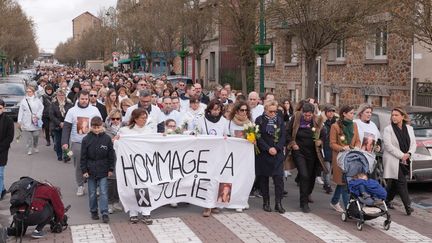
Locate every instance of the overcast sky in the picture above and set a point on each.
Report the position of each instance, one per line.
(53, 18)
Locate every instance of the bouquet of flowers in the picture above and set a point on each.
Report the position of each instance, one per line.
(67, 154)
(251, 133)
(178, 130)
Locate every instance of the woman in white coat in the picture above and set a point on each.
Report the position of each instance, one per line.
(30, 119)
(399, 145)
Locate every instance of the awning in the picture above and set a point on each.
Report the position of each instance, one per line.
(125, 61)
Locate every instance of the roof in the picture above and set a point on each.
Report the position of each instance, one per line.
(85, 13)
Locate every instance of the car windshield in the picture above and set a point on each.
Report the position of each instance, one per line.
(12, 89)
(422, 123)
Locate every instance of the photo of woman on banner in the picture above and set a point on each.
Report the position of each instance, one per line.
(224, 194)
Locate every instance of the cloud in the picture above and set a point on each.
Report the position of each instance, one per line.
(53, 18)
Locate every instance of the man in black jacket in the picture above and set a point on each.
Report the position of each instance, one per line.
(94, 102)
(6, 138)
(97, 163)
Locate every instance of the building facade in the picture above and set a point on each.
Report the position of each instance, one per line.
(84, 22)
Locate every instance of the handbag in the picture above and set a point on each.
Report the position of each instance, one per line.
(36, 122)
(289, 161)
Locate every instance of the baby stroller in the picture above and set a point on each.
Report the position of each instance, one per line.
(353, 162)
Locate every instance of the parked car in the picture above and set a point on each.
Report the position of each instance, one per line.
(174, 79)
(12, 94)
(421, 120)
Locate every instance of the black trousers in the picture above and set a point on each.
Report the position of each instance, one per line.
(400, 187)
(39, 218)
(278, 184)
(46, 127)
(307, 169)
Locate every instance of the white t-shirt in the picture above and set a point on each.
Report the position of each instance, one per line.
(80, 119)
(207, 127)
(152, 120)
(256, 112)
(135, 130)
(191, 118)
(175, 115)
(234, 130)
(368, 133)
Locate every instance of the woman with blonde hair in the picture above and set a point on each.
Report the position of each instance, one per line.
(111, 101)
(124, 105)
(399, 145)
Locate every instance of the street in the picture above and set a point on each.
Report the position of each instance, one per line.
(185, 223)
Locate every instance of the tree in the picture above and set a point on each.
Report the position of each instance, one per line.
(198, 25)
(318, 23)
(239, 17)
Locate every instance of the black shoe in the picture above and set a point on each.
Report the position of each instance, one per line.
(95, 216)
(146, 219)
(390, 205)
(266, 205)
(409, 210)
(105, 218)
(278, 208)
(305, 209)
(48, 144)
(59, 159)
(327, 189)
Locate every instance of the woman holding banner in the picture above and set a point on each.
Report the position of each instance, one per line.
(269, 161)
(137, 125)
(212, 123)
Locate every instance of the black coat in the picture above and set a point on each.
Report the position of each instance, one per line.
(97, 155)
(47, 102)
(6, 137)
(102, 110)
(266, 164)
(56, 116)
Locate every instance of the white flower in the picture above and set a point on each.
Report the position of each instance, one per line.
(169, 131)
(245, 126)
(70, 153)
(313, 129)
(275, 126)
(342, 138)
(257, 128)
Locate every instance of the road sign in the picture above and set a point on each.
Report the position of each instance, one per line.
(115, 62)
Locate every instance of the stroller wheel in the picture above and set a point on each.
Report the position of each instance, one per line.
(344, 216)
(359, 226)
(386, 224)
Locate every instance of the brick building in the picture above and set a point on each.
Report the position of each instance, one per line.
(376, 69)
(83, 22)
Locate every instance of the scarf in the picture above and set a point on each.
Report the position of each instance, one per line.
(61, 107)
(270, 128)
(213, 119)
(239, 120)
(348, 130)
(304, 123)
(404, 143)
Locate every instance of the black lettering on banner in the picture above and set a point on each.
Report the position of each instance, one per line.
(128, 168)
(230, 161)
(142, 196)
(199, 188)
(175, 166)
(201, 161)
(193, 185)
(177, 188)
(183, 162)
(161, 191)
(161, 159)
(153, 162)
(147, 172)
(166, 189)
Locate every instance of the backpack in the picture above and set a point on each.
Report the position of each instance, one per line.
(22, 194)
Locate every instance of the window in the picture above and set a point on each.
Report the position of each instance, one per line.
(270, 56)
(340, 50)
(212, 67)
(290, 49)
(376, 47)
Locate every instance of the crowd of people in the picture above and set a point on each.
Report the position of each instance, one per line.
(76, 109)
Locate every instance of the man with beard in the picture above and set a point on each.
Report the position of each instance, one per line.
(168, 113)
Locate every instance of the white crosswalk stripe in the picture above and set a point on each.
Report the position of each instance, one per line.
(92, 233)
(398, 231)
(247, 228)
(172, 230)
(321, 228)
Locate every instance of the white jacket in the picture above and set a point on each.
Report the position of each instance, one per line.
(392, 153)
(25, 116)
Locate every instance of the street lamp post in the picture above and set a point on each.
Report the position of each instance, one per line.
(2, 60)
(183, 53)
(262, 49)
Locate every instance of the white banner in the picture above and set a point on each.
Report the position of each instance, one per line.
(208, 171)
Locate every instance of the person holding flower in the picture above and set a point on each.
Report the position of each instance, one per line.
(304, 134)
(239, 117)
(343, 136)
(269, 162)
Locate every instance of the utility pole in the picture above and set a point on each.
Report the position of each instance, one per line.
(262, 49)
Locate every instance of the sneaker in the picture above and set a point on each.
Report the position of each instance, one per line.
(305, 208)
(327, 189)
(110, 209)
(80, 191)
(36, 150)
(146, 219)
(257, 193)
(105, 218)
(117, 207)
(206, 212)
(319, 180)
(37, 234)
(95, 216)
(29, 152)
(287, 174)
(337, 207)
(239, 210)
(215, 210)
(133, 219)
(174, 205)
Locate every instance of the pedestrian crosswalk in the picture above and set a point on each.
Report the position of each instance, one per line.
(249, 227)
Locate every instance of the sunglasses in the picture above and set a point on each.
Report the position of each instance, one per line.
(93, 95)
(243, 110)
(115, 118)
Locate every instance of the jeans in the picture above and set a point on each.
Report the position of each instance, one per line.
(76, 150)
(2, 168)
(57, 143)
(340, 190)
(102, 183)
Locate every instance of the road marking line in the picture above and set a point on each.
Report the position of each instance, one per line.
(172, 230)
(90, 233)
(321, 228)
(398, 231)
(247, 228)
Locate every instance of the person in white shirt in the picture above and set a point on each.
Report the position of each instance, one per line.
(239, 116)
(168, 112)
(175, 103)
(29, 119)
(153, 111)
(367, 129)
(192, 115)
(255, 108)
(75, 127)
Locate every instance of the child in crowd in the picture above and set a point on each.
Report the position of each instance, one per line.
(369, 191)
